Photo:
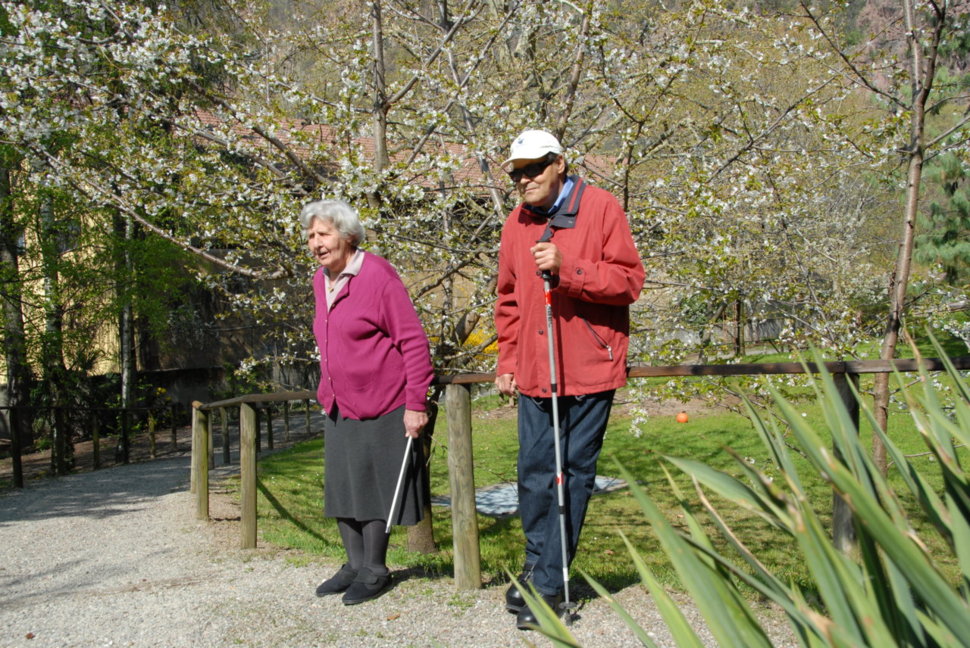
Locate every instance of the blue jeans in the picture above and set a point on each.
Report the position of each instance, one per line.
(582, 425)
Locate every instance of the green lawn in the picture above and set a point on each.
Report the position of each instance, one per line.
(291, 493)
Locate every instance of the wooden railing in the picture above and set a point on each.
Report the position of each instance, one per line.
(461, 476)
(20, 415)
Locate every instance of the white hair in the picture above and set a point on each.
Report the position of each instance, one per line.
(343, 217)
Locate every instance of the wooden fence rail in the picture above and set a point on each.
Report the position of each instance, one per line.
(461, 462)
(19, 416)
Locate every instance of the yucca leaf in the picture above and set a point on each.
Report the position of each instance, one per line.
(731, 626)
(841, 425)
(890, 592)
(859, 496)
(961, 414)
(901, 611)
(773, 497)
(730, 488)
(962, 387)
(961, 540)
(831, 576)
(630, 622)
(771, 589)
(955, 480)
(908, 556)
(762, 580)
(929, 501)
(677, 624)
(772, 440)
(550, 624)
(942, 636)
(868, 481)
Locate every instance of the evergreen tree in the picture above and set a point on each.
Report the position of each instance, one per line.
(945, 237)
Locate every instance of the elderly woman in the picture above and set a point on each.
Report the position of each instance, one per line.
(375, 369)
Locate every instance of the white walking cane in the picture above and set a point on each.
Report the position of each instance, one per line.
(560, 477)
(400, 480)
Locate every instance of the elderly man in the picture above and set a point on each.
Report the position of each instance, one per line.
(578, 238)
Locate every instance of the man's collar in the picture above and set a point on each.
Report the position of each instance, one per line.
(563, 213)
(563, 192)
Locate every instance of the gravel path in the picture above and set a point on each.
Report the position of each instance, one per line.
(116, 558)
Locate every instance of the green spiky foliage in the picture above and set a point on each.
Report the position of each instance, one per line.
(889, 590)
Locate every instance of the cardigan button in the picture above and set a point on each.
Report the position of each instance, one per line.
(579, 271)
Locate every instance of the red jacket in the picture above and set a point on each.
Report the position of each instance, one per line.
(600, 276)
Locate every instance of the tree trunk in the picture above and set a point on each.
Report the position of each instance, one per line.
(124, 227)
(14, 337)
(52, 342)
(380, 105)
(922, 83)
(738, 328)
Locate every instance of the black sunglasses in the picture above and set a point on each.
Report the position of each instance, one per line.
(531, 171)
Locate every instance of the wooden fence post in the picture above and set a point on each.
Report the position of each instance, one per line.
(306, 415)
(152, 449)
(175, 429)
(125, 436)
(269, 426)
(95, 439)
(258, 427)
(210, 453)
(247, 473)
(286, 420)
(461, 475)
(226, 455)
(200, 460)
(193, 449)
(843, 530)
(16, 419)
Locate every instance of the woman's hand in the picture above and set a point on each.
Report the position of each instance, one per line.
(414, 422)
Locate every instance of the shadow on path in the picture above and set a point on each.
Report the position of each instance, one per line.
(98, 494)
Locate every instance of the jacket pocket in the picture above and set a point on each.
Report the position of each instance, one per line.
(597, 338)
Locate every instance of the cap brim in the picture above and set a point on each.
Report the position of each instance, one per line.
(506, 166)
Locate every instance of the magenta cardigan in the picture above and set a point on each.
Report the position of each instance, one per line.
(374, 354)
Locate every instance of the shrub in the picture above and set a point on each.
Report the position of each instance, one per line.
(888, 591)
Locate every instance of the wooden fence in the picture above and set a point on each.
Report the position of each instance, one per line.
(461, 476)
(20, 415)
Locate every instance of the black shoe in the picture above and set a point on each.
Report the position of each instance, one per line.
(526, 619)
(366, 586)
(513, 597)
(338, 582)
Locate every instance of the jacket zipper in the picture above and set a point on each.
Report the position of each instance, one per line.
(599, 339)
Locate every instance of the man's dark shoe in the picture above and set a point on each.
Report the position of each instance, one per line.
(338, 582)
(366, 586)
(513, 597)
(526, 619)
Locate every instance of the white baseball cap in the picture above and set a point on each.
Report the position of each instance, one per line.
(532, 145)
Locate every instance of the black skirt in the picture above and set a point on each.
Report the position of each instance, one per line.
(362, 461)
